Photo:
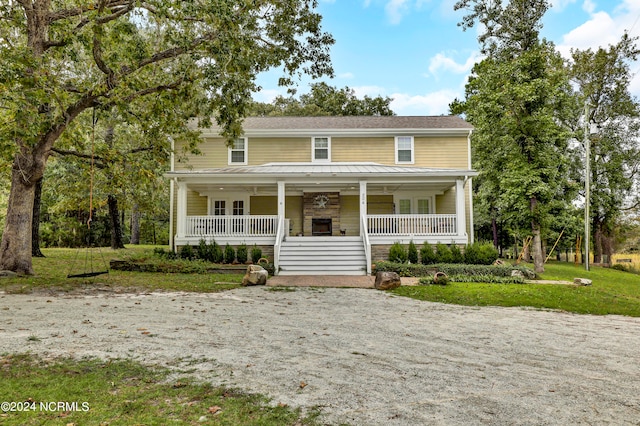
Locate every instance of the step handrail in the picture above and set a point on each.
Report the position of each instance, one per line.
(278, 243)
(366, 243)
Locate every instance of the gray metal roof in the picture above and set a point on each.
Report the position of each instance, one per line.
(324, 169)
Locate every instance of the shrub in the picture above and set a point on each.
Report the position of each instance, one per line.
(215, 253)
(242, 253)
(427, 256)
(443, 254)
(186, 252)
(229, 254)
(256, 253)
(480, 253)
(453, 270)
(397, 253)
(161, 253)
(456, 254)
(412, 253)
(203, 250)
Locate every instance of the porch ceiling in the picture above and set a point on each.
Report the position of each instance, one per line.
(299, 188)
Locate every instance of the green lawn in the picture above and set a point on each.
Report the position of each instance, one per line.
(612, 292)
(93, 392)
(52, 271)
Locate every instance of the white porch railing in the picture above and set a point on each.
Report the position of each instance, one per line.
(411, 224)
(232, 226)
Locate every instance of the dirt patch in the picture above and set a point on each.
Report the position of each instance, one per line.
(365, 356)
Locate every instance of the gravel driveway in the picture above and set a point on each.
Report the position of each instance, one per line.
(364, 357)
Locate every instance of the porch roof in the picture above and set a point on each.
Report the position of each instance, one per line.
(351, 169)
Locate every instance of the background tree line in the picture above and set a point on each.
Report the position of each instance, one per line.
(530, 108)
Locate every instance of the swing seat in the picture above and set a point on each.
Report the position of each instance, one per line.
(87, 274)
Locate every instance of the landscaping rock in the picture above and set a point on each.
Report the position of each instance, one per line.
(582, 281)
(387, 280)
(8, 274)
(440, 278)
(517, 273)
(256, 275)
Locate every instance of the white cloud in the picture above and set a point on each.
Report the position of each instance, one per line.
(442, 62)
(395, 9)
(589, 6)
(372, 91)
(602, 29)
(436, 103)
(268, 95)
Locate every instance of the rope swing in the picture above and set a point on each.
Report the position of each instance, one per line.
(88, 258)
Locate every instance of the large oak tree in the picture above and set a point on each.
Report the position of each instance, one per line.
(60, 58)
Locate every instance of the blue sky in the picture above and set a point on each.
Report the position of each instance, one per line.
(414, 52)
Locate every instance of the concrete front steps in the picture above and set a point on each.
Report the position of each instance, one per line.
(322, 256)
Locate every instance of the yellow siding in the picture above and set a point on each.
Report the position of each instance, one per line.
(350, 214)
(264, 205)
(443, 153)
(293, 212)
(268, 150)
(196, 205)
(446, 203)
(214, 154)
(380, 204)
(438, 152)
(377, 150)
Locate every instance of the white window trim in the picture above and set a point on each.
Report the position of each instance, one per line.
(313, 149)
(413, 151)
(228, 199)
(414, 197)
(246, 153)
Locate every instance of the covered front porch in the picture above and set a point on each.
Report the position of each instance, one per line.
(267, 204)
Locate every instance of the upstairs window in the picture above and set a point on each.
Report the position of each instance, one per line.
(404, 149)
(238, 152)
(321, 149)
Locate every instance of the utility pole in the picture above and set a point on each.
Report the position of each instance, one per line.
(587, 183)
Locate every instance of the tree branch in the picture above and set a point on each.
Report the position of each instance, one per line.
(99, 162)
(79, 11)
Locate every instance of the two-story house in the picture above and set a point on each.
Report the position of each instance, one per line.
(327, 195)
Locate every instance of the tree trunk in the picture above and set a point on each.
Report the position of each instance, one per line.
(35, 221)
(15, 248)
(597, 240)
(608, 238)
(135, 225)
(538, 257)
(116, 228)
(494, 230)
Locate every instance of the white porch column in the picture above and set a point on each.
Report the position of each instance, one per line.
(461, 217)
(181, 210)
(281, 198)
(363, 204)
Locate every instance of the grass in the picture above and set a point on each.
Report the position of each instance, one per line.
(612, 292)
(124, 393)
(52, 270)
